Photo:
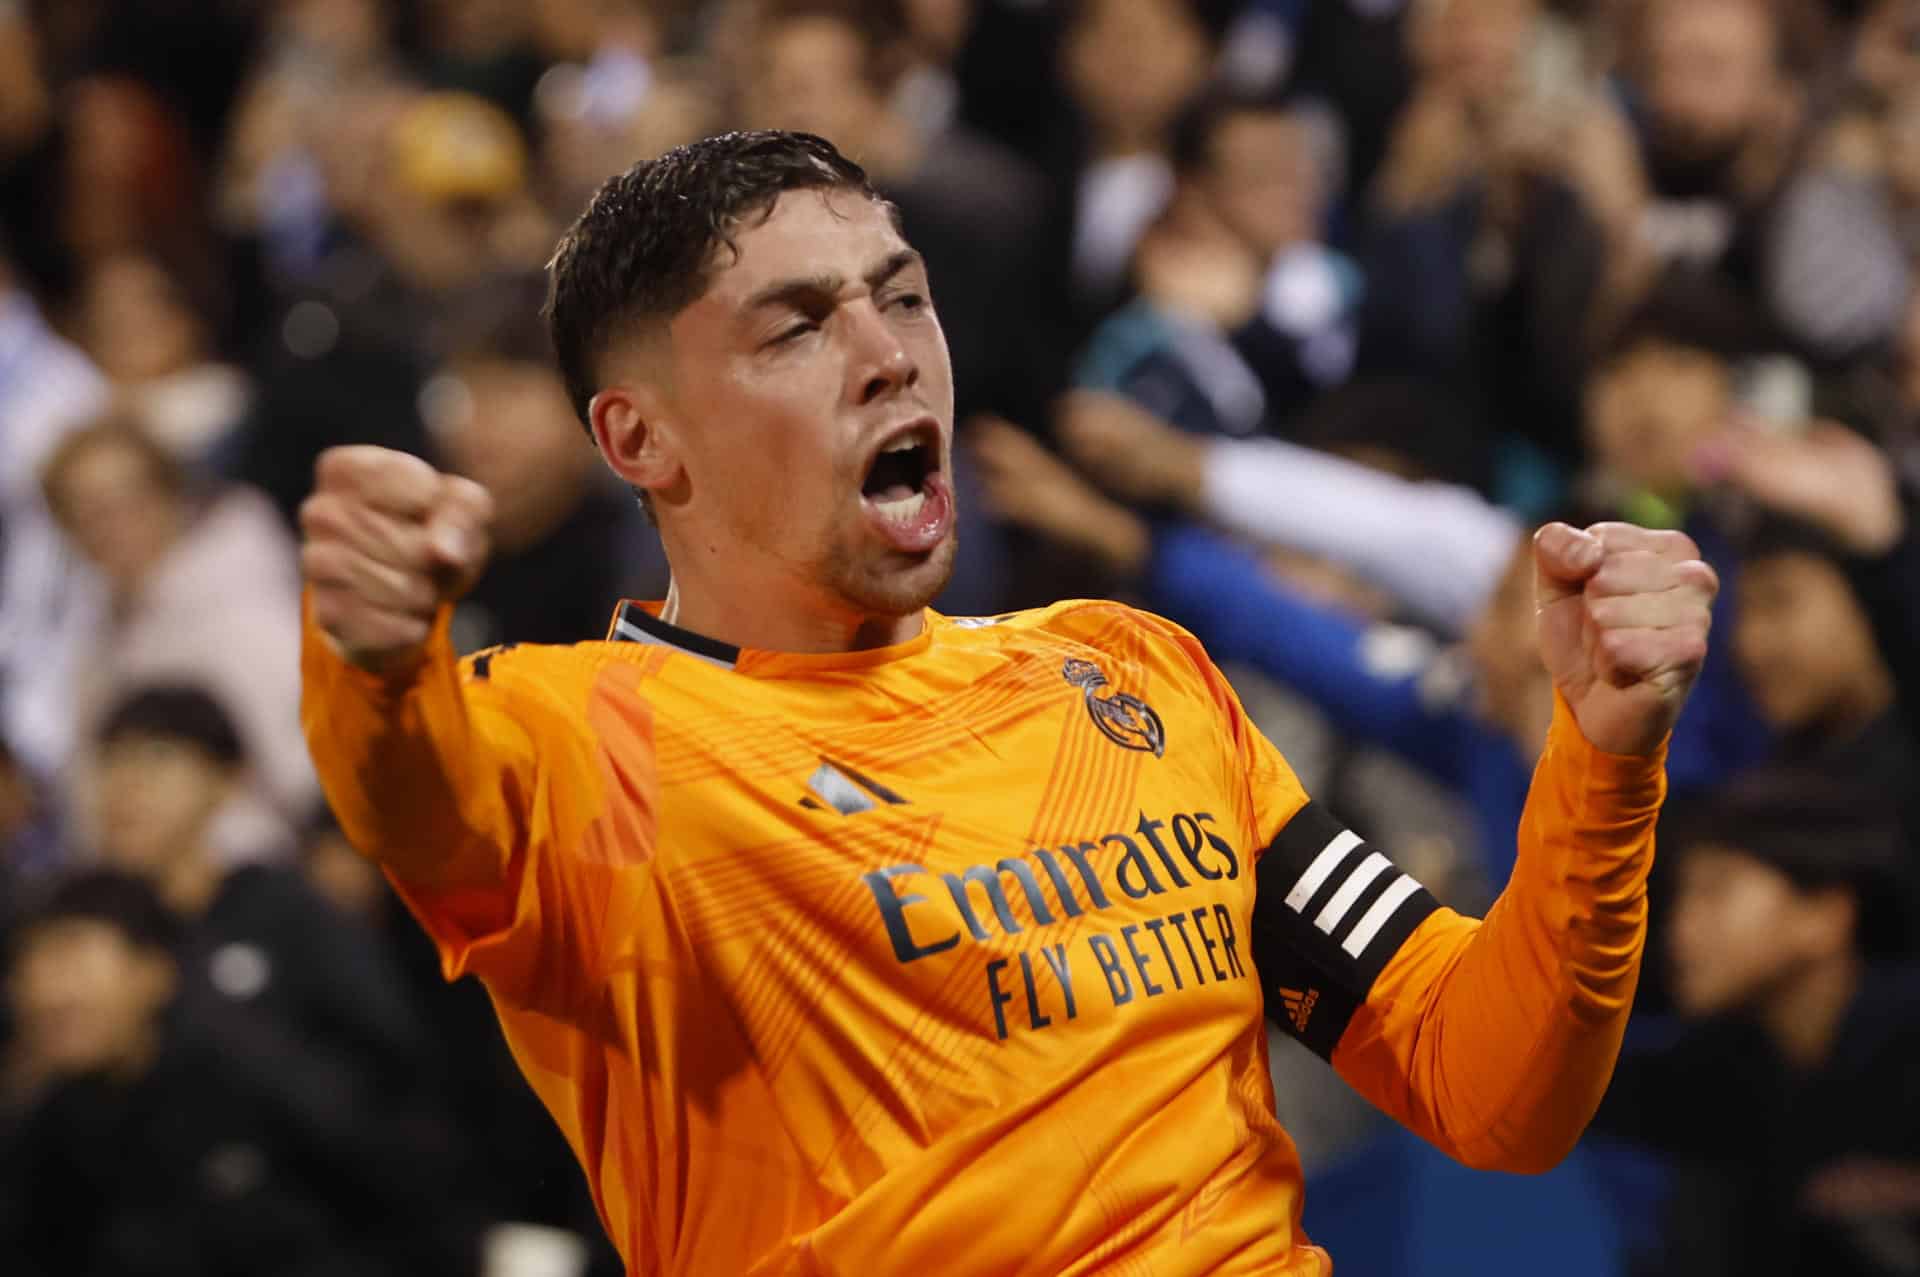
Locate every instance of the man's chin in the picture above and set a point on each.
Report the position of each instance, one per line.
(901, 585)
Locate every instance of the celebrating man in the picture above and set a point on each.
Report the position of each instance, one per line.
(843, 937)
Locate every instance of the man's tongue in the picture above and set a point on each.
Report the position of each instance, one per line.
(895, 491)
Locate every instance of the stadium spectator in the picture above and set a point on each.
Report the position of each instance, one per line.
(1130, 67)
(433, 210)
(169, 558)
(129, 179)
(258, 940)
(147, 334)
(1788, 1106)
(1732, 190)
(1243, 314)
(47, 389)
(166, 1141)
(569, 543)
(1806, 649)
(1841, 484)
(1504, 204)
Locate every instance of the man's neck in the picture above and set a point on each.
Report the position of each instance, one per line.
(1804, 1015)
(747, 619)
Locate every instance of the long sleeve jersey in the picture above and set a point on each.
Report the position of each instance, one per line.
(953, 956)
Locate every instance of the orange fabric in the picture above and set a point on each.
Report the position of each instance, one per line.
(999, 1017)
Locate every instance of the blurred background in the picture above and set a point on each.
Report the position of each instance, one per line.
(1289, 319)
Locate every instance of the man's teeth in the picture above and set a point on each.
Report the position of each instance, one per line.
(903, 509)
(903, 445)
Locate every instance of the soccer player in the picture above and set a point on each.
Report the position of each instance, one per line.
(843, 937)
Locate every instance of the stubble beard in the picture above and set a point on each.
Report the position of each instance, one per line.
(889, 588)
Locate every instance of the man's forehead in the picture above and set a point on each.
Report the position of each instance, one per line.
(812, 232)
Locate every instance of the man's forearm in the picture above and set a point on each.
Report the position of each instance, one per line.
(1495, 1040)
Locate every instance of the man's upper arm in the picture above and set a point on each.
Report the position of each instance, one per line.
(1329, 913)
(482, 791)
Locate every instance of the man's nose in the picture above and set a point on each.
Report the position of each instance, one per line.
(882, 365)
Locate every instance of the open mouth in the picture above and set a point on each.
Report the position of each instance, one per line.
(906, 493)
(897, 482)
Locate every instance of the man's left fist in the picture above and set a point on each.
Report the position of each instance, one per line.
(1624, 614)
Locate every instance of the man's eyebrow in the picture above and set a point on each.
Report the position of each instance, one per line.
(895, 263)
(797, 292)
(813, 290)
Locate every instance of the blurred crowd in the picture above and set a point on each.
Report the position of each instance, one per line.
(1288, 319)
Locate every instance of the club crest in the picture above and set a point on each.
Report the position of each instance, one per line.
(1122, 717)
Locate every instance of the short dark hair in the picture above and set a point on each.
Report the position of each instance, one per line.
(641, 251)
(1820, 829)
(123, 901)
(1201, 121)
(178, 712)
(1689, 311)
(1772, 536)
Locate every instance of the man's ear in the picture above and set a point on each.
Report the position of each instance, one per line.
(637, 431)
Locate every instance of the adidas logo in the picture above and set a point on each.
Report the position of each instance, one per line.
(838, 787)
(1299, 1006)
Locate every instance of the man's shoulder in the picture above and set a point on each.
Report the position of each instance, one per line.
(1067, 617)
(1114, 630)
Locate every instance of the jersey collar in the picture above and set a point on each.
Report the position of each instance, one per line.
(633, 623)
(639, 622)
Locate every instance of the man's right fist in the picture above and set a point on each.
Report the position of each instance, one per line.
(386, 540)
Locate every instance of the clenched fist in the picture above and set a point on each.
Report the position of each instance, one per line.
(1623, 617)
(386, 540)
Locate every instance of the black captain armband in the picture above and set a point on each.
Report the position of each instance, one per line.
(1328, 913)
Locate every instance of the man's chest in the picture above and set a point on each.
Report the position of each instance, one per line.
(997, 869)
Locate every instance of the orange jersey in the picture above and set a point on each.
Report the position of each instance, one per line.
(941, 958)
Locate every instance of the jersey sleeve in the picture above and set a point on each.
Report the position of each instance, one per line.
(1493, 1040)
(478, 787)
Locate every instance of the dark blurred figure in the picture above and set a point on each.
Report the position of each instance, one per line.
(430, 208)
(1834, 480)
(1734, 186)
(569, 544)
(1498, 206)
(1788, 1106)
(258, 940)
(1805, 647)
(1353, 54)
(516, 1170)
(167, 1143)
(484, 47)
(1130, 67)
